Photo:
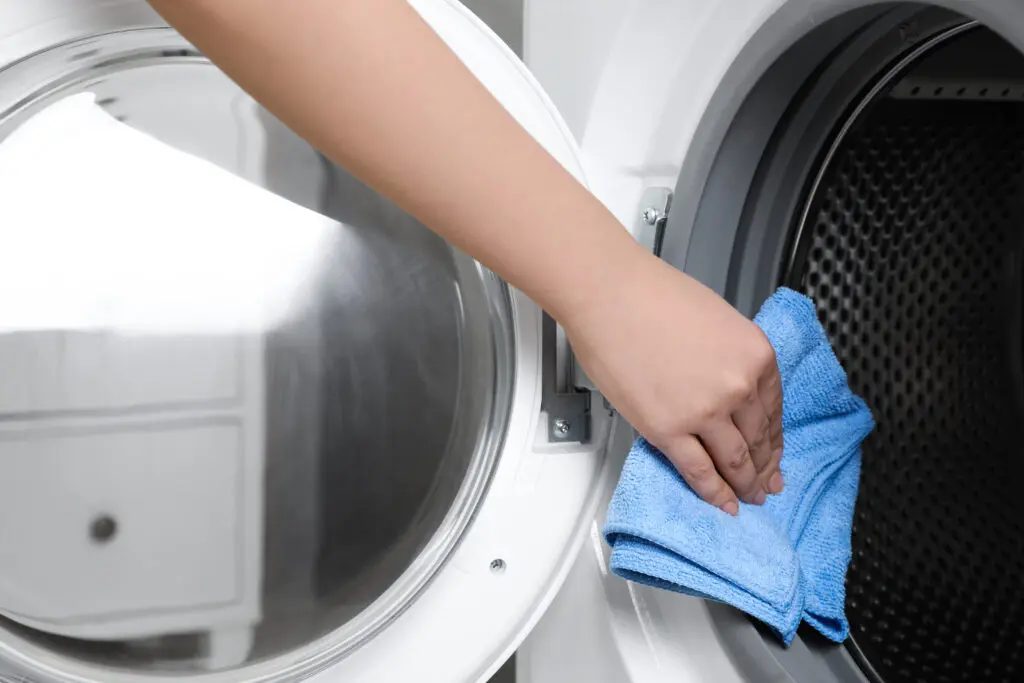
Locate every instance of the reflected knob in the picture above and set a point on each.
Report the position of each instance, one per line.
(103, 529)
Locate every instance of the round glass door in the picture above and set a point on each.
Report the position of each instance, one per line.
(224, 437)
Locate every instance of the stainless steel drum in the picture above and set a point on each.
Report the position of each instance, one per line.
(195, 502)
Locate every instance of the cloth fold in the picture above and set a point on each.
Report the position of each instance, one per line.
(782, 562)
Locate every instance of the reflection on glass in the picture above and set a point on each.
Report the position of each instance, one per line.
(242, 394)
(204, 251)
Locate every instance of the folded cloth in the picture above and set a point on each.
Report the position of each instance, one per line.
(780, 562)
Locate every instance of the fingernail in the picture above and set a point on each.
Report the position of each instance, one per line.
(775, 484)
(760, 497)
(732, 508)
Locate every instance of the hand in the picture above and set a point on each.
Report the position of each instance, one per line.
(691, 374)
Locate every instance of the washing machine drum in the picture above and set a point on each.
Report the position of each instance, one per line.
(904, 221)
(256, 422)
(914, 261)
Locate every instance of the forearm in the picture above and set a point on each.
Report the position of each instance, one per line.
(369, 84)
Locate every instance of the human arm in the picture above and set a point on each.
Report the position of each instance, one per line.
(370, 85)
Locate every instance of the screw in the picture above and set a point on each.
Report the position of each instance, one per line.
(562, 427)
(498, 566)
(651, 215)
(103, 529)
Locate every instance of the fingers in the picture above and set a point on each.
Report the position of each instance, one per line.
(694, 463)
(752, 422)
(732, 455)
(736, 444)
(769, 390)
(772, 479)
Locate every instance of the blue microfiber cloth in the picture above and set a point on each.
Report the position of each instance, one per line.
(780, 562)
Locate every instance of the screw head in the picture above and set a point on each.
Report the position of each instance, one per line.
(651, 215)
(103, 529)
(561, 427)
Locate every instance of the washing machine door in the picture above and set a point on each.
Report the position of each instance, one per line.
(256, 422)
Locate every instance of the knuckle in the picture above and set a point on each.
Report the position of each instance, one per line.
(661, 433)
(659, 428)
(765, 352)
(774, 405)
(740, 390)
(702, 471)
(664, 417)
(763, 435)
(708, 412)
(738, 458)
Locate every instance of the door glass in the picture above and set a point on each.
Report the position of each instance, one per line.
(247, 405)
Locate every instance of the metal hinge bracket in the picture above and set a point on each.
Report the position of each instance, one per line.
(655, 204)
(568, 409)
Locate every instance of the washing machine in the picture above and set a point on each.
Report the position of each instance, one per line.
(401, 473)
(266, 427)
(867, 154)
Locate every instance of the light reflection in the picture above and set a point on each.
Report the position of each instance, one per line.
(104, 228)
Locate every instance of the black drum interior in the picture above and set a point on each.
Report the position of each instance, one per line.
(912, 251)
(888, 185)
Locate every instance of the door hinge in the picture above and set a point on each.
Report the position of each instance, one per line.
(655, 204)
(567, 407)
(565, 402)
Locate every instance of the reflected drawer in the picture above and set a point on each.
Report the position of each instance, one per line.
(79, 371)
(120, 523)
